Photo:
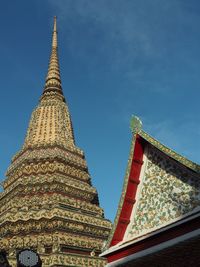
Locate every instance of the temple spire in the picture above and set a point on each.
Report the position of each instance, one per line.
(53, 80)
(54, 39)
(49, 203)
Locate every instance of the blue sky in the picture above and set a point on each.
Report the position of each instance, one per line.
(117, 58)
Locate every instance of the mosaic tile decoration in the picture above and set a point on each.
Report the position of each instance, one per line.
(168, 191)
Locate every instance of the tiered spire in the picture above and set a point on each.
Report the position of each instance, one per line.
(48, 201)
(53, 80)
(50, 123)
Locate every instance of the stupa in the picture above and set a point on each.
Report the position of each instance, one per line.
(48, 203)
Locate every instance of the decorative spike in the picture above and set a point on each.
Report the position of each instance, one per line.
(54, 40)
(135, 124)
(53, 80)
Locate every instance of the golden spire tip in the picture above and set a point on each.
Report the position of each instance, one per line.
(54, 24)
(54, 40)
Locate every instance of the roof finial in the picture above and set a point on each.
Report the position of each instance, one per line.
(135, 124)
(53, 81)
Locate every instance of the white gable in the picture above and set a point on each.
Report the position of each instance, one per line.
(168, 191)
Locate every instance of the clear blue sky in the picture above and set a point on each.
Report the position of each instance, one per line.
(117, 58)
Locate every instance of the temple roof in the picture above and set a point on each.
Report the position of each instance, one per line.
(161, 188)
(136, 128)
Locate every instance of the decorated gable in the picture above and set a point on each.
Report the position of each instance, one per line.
(167, 192)
(160, 188)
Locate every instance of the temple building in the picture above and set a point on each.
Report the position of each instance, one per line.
(48, 203)
(158, 217)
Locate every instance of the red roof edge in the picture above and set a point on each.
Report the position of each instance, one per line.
(129, 200)
(148, 242)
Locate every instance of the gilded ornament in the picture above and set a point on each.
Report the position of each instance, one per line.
(48, 199)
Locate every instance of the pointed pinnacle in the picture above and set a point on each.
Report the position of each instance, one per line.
(135, 124)
(54, 39)
(53, 81)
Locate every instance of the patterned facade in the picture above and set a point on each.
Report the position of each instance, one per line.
(48, 202)
(167, 192)
(158, 214)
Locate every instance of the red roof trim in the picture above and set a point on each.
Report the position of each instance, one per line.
(129, 200)
(167, 235)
